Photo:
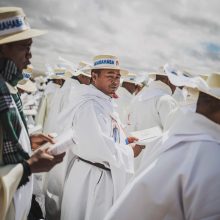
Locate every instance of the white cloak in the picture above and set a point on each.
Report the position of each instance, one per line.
(152, 107)
(45, 108)
(54, 180)
(90, 191)
(181, 179)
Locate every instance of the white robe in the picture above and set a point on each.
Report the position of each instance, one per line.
(181, 179)
(45, 108)
(54, 181)
(90, 191)
(123, 102)
(152, 107)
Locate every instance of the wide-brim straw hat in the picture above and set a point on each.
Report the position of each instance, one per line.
(60, 73)
(14, 26)
(27, 86)
(132, 78)
(211, 86)
(106, 62)
(83, 69)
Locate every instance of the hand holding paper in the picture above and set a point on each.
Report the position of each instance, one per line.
(147, 135)
(62, 142)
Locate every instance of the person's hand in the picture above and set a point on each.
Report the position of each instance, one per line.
(137, 148)
(132, 139)
(41, 161)
(39, 139)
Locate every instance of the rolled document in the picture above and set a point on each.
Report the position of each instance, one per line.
(62, 142)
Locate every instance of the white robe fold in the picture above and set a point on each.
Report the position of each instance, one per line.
(181, 177)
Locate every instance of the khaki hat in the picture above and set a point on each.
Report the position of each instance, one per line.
(28, 86)
(132, 78)
(106, 62)
(81, 69)
(211, 86)
(213, 80)
(60, 73)
(14, 26)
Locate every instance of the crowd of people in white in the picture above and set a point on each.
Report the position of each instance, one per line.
(142, 146)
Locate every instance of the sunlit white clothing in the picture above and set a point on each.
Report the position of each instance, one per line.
(181, 178)
(90, 191)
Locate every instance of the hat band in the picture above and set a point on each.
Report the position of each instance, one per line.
(13, 25)
(59, 74)
(26, 76)
(104, 62)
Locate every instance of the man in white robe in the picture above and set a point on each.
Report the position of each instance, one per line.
(125, 95)
(104, 161)
(181, 178)
(55, 178)
(44, 108)
(152, 107)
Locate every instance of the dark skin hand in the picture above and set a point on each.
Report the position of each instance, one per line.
(42, 161)
(136, 148)
(39, 139)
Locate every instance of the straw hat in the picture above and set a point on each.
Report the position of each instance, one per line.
(107, 62)
(61, 73)
(28, 86)
(214, 80)
(210, 87)
(132, 78)
(81, 69)
(14, 26)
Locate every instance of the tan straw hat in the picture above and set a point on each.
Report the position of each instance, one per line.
(106, 62)
(81, 69)
(14, 26)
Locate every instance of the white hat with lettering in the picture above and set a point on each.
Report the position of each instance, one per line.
(133, 78)
(107, 62)
(26, 84)
(14, 26)
(60, 73)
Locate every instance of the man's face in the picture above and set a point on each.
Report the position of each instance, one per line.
(84, 79)
(107, 81)
(19, 52)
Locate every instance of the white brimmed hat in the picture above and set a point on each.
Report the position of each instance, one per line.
(81, 69)
(60, 73)
(133, 78)
(27, 85)
(210, 87)
(14, 26)
(107, 62)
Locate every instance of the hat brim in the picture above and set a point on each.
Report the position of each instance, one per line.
(77, 73)
(21, 36)
(58, 77)
(29, 86)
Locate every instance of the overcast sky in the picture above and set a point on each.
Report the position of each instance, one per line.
(144, 34)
